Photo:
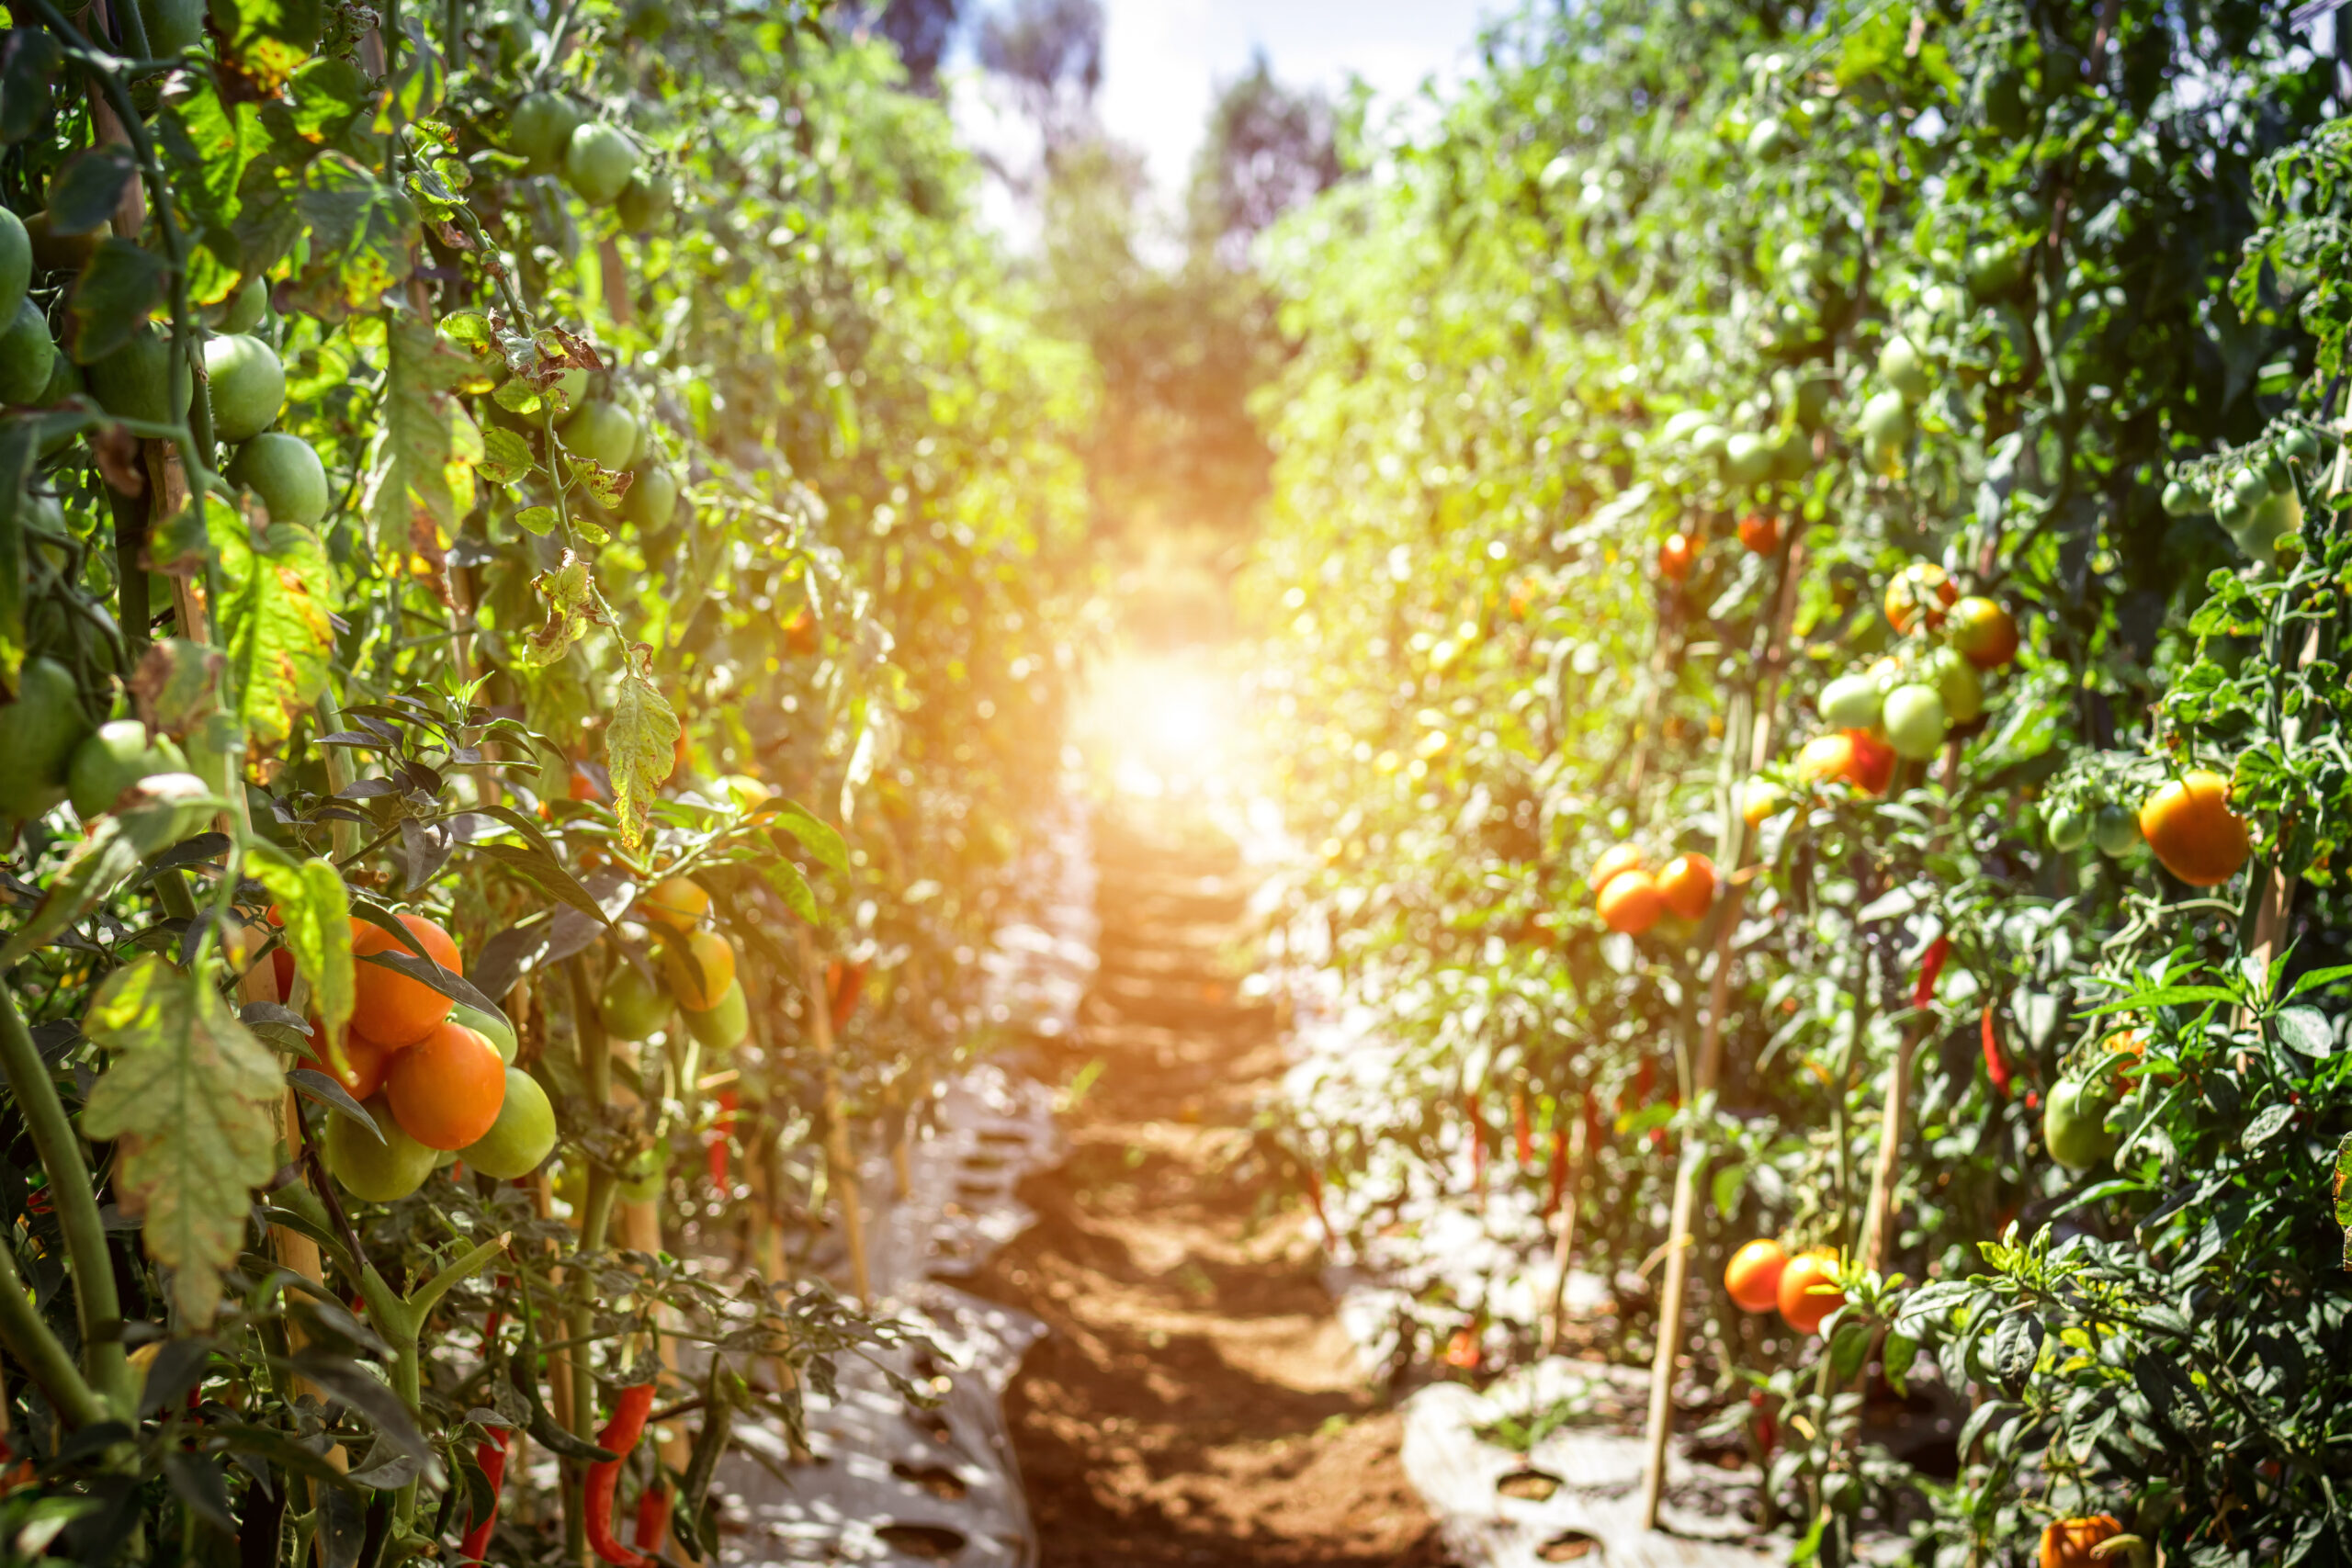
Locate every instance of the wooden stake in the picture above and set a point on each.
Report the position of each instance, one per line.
(840, 1165)
(1749, 731)
(1565, 1247)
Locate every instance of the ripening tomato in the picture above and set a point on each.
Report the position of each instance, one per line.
(2188, 823)
(1631, 903)
(1853, 756)
(677, 902)
(699, 970)
(387, 1005)
(1677, 557)
(1984, 633)
(1623, 858)
(1759, 533)
(582, 785)
(1760, 800)
(1920, 592)
(364, 1062)
(446, 1091)
(1687, 885)
(2068, 1543)
(1753, 1275)
(1808, 1292)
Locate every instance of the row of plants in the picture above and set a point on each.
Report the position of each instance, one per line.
(1805, 589)
(537, 584)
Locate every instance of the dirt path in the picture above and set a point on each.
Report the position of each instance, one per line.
(1196, 1401)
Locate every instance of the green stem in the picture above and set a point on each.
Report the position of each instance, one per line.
(77, 1205)
(41, 1353)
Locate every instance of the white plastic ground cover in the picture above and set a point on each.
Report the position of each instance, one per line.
(890, 1484)
(1576, 1496)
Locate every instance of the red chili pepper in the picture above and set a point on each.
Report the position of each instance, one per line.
(491, 1454)
(1522, 1130)
(1994, 1067)
(722, 1127)
(844, 983)
(653, 1518)
(1477, 1141)
(1930, 967)
(630, 1407)
(1559, 1165)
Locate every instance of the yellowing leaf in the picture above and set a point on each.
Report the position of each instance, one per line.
(316, 908)
(191, 1104)
(275, 594)
(640, 747)
(421, 476)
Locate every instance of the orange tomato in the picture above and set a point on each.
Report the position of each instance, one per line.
(1806, 1297)
(1753, 1275)
(1985, 633)
(1677, 557)
(699, 970)
(1759, 533)
(1855, 756)
(1920, 592)
(2188, 823)
(677, 902)
(389, 1006)
(1623, 858)
(445, 1091)
(582, 786)
(1687, 885)
(2067, 1543)
(1631, 903)
(365, 1062)
(281, 966)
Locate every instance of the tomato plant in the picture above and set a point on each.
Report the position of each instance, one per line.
(500, 508)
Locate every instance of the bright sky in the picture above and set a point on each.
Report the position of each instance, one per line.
(1164, 59)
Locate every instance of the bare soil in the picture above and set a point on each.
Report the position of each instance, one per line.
(1196, 1401)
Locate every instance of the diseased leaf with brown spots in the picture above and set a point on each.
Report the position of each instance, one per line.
(421, 474)
(276, 597)
(640, 747)
(191, 1104)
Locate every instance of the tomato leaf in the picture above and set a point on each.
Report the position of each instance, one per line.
(190, 1101)
(819, 837)
(277, 597)
(95, 868)
(421, 476)
(316, 908)
(640, 749)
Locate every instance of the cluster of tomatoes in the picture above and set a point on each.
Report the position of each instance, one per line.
(1632, 898)
(436, 1077)
(1763, 1277)
(1677, 556)
(698, 973)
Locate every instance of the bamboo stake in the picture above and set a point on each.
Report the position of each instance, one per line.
(1564, 1247)
(840, 1163)
(1749, 731)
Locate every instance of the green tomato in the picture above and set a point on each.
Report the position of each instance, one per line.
(633, 1007)
(1914, 716)
(2180, 501)
(247, 308)
(2276, 517)
(641, 1179)
(2299, 445)
(2069, 829)
(541, 128)
(1886, 421)
(39, 734)
(1994, 267)
(2250, 487)
(1960, 686)
(2074, 1125)
(642, 204)
(1770, 139)
(491, 1026)
(653, 497)
(285, 474)
(1792, 457)
(129, 383)
(521, 1137)
(377, 1172)
(599, 163)
(28, 359)
(1853, 701)
(1899, 365)
(15, 262)
(2116, 828)
(247, 386)
(726, 1026)
(113, 759)
(603, 433)
(1747, 457)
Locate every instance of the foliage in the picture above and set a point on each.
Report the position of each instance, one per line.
(2022, 290)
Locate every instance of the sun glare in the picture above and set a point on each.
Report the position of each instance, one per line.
(1162, 724)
